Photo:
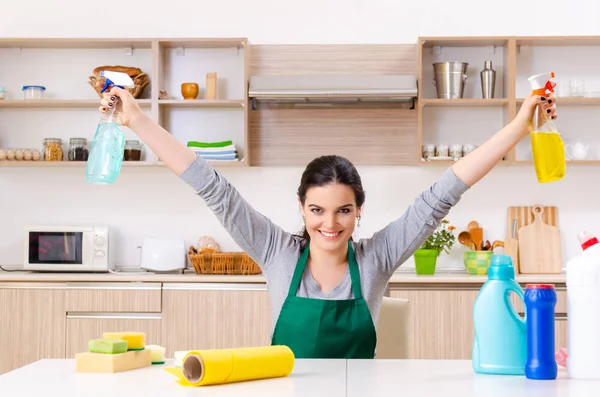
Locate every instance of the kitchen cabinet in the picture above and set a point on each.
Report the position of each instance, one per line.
(113, 297)
(82, 327)
(32, 323)
(215, 316)
(442, 320)
(93, 308)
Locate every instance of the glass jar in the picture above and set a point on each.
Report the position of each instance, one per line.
(78, 150)
(133, 151)
(2, 93)
(53, 149)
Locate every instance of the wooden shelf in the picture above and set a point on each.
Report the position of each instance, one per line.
(75, 43)
(464, 41)
(569, 162)
(558, 41)
(475, 102)
(60, 103)
(572, 101)
(203, 43)
(126, 164)
(202, 103)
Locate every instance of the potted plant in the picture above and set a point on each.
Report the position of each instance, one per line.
(440, 241)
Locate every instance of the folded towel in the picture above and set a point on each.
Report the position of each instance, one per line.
(213, 152)
(210, 144)
(228, 157)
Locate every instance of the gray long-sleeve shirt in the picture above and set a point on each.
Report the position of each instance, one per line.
(277, 251)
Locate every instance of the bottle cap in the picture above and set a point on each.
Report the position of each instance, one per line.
(586, 239)
(539, 286)
(501, 268)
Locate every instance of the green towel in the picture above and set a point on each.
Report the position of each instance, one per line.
(209, 144)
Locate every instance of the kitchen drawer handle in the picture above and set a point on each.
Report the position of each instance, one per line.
(115, 315)
(32, 285)
(134, 285)
(215, 286)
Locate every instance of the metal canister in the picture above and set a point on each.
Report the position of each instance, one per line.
(450, 79)
(488, 80)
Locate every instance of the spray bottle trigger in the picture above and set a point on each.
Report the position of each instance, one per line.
(108, 83)
(549, 86)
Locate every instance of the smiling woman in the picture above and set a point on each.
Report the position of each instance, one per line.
(325, 288)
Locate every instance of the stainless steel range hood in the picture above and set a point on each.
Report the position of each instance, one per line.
(333, 88)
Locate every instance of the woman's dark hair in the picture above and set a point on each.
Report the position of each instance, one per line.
(326, 170)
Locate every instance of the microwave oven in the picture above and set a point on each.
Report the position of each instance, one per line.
(66, 249)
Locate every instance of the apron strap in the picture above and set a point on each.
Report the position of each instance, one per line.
(352, 265)
(298, 272)
(354, 273)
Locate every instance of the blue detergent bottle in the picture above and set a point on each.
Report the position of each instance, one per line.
(500, 344)
(540, 300)
(106, 154)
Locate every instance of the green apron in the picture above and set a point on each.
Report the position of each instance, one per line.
(316, 328)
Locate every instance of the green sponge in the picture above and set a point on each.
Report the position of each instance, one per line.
(107, 346)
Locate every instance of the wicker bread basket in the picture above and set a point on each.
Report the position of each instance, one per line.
(234, 263)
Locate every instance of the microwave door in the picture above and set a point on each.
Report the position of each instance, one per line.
(56, 248)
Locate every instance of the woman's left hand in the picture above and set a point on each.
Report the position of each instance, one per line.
(548, 103)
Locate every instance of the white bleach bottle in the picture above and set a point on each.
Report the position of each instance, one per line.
(583, 310)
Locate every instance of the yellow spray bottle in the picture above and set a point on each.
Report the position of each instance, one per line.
(547, 146)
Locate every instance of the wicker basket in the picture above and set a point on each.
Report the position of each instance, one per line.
(140, 82)
(223, 263)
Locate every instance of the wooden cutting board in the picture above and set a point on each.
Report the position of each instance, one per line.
(524, 217)
(539, 241)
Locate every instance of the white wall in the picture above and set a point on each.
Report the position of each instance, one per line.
(154, 202)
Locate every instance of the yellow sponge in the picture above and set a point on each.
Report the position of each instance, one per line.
(135, 340)
(110, 363)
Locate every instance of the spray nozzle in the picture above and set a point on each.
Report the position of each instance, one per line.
(541, 82)
(117, 79)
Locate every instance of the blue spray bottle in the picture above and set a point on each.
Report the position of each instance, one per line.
(106, 154)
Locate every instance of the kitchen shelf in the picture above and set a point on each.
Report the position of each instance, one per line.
(73, 43)
(202, 103)
(167, 62)
(60, 103)
(126, 164)
(572, 101)
(470, 102)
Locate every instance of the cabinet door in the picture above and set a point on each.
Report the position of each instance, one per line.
(82, 327)
(124, 297)
(215, 316)
(443, 321)
(32, 323)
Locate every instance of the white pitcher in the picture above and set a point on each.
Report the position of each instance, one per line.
(578, 151)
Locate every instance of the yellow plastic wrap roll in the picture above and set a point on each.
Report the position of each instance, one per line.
(214, 367)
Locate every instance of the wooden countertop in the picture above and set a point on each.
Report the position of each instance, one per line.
(403, 276)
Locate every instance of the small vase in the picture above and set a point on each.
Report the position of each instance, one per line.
(189, 91)
(425, 261)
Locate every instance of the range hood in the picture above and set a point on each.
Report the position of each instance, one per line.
(333, 88)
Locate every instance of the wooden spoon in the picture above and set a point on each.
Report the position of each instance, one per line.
(465, 239)
(477, 238)
(487, 246)
(472, 225)
(497, 243)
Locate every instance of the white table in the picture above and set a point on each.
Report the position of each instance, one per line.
(449, 378)
(311, 378)
(314, 378)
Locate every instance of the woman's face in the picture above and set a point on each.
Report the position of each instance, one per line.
(330, 214)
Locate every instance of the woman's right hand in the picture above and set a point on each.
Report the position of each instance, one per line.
(127, 106)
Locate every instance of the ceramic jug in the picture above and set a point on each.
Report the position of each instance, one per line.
(578, 151)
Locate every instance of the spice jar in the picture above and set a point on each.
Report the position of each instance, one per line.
(53, 149)
(78, 150)
(133, 151)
